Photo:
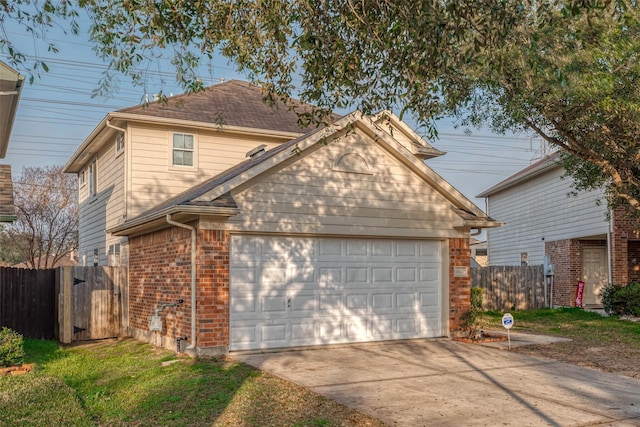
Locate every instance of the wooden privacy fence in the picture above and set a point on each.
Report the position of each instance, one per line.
(27, 302)
(510, 287)
(67, 303)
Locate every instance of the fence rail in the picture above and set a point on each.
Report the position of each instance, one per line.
(510, 287)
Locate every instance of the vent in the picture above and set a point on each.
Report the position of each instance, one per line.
(257, 152)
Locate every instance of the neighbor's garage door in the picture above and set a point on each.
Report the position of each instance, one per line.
(309, 291)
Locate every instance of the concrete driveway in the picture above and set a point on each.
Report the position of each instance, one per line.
(446, 383)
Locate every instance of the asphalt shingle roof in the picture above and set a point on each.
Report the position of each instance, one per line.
(232, 103)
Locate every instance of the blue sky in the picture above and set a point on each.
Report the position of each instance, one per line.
(57, 112)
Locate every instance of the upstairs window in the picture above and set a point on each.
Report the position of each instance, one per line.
(81, 177)
(183, 150)
(93, 179)
(119, 143)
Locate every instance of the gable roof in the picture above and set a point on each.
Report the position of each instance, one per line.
(213, 196)
(538, 168)
(232, 106)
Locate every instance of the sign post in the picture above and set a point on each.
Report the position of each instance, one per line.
(579, 294)
(507, 322)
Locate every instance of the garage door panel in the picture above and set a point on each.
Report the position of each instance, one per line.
(287, 291)
(274, 334)
(382, 301)
(303, 332)
(243, 304)
(305, 304)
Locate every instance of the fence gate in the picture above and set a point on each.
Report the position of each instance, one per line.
(90, 302)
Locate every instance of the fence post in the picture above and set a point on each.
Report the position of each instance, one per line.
(66, 305)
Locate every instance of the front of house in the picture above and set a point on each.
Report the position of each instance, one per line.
(338, 234)
(584, 241)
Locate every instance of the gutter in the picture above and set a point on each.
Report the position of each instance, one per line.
(192, 346)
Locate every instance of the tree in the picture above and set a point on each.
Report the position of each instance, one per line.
(566, 70)
(47, 209)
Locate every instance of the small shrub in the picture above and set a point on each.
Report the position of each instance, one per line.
(11, 348)
(470, 319)
(622, 300)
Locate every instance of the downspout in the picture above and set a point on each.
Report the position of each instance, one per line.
(192, 346)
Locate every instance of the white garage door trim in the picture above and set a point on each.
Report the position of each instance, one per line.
(288, 291)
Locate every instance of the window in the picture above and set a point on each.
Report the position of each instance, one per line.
(119, 143)
(114, 254)
(93, 186)
(183, 150)
(81, 177)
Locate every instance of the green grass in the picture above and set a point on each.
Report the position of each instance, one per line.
(570, 322)
(124, 383)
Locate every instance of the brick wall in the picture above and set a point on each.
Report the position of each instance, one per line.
(624, 236)
(566, 255)
(213, 289)
(160, 272)
(6, 192)
(459, 287)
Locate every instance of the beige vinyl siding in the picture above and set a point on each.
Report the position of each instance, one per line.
(106, 208)
(154, 179)
(541, 208)
(309, 196)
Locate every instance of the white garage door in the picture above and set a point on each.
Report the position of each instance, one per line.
(310, 291)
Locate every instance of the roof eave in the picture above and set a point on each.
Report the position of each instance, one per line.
(13, 108)
(157, 219)
(518, 179)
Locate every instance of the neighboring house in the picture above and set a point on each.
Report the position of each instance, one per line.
(478, 253)
(542, 217)
(68, 260)
(331, 235)
(11, 83)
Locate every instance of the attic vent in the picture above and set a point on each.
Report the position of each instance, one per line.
(257, 152)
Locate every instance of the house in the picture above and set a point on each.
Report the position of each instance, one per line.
(11, 83)
(259, 234)
(478, 252)
(583, 239)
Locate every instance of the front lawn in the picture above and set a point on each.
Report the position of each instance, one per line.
(605, 343)
(130, 383)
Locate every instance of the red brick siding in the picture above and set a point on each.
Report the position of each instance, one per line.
(633, 247)
(459, 287)
(213, 288)
(624, 236)
(566, 255)
(160, 272)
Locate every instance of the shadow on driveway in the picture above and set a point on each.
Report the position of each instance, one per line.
(442, 382)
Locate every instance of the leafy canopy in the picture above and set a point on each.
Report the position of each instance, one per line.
(567, 70)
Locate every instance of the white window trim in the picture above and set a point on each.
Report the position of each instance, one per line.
(192, 168)
(92, 178)
(82, 178)
(120, 148)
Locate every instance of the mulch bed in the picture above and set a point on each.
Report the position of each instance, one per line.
(485, 337)
(18, 370)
